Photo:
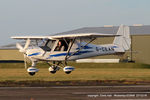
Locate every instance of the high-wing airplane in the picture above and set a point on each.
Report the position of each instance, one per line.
(56, 50)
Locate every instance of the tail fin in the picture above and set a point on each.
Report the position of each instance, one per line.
(123, 41)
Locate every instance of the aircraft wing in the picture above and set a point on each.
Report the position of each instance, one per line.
(77, 35)
(83, 35)
(31, 37)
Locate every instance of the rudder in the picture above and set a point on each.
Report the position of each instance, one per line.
(123, 41)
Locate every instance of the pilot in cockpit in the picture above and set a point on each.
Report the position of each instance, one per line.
(60, 46)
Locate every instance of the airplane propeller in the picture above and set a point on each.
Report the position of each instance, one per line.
(23, 50)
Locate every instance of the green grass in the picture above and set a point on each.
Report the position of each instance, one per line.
(88, 71)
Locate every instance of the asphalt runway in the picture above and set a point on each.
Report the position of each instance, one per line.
(76, 93)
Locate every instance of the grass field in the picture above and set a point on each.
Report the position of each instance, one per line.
(88, 71)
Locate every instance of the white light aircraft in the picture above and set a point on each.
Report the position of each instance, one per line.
(58, 49)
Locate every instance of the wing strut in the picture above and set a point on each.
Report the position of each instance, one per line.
(66, 58)
(76, 51)
(65, 41)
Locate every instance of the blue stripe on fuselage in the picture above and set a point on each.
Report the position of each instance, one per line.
(114, 47)
(34, 54)
(83, 47)
(64, 54)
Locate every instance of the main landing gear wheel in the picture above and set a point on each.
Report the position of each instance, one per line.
(31, 73)
(68, 69)
(53, 72)
(32, 70)
(53, 69)
(68, 72)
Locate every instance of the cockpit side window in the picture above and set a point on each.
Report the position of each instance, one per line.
(49, 45)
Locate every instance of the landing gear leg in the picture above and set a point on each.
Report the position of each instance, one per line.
(53, 68)
(32, 70)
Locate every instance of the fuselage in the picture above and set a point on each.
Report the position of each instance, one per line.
(77, 51)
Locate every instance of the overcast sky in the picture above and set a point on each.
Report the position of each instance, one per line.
(44, 17)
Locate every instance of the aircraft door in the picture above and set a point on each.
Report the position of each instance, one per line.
(62, 45)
